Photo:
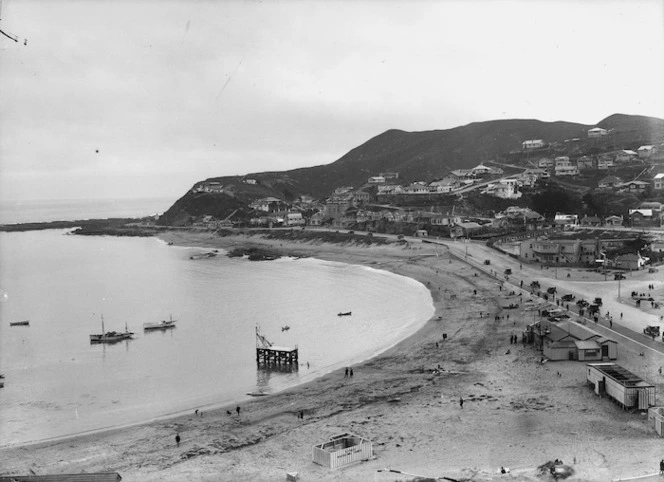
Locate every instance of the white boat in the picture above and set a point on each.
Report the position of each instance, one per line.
(162, 325)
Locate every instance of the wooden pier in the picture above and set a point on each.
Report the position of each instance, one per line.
(268, 354)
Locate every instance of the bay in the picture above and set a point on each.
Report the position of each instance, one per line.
(58, 384)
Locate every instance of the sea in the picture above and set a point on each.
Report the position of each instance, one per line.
(57, 384)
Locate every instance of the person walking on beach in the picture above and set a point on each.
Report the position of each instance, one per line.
(346, 375)
(461, 402)
(661, 467)
(177, 439)
(237, 409)
(351, 373)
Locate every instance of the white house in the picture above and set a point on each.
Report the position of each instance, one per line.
(646, 151)
(294, 219)
(597, 132)
(566, 220)
(532, 144)
(376, 180)
(658, 181)
(545, 163)
(603, 163)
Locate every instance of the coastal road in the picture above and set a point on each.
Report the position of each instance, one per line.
(628, 327)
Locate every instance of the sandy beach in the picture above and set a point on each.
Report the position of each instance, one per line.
(517, 412)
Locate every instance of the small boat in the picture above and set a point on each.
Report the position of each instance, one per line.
(285, 328)
(20, 323)
(348, 313)
(257, 394)
(111, 336)
(162, 325)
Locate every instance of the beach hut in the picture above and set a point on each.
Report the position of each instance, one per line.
(625, 388)
(656, 419)
(560, 350)
(342, 450)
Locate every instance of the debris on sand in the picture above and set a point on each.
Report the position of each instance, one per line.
(556, 469)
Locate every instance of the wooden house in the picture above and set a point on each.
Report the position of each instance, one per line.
(342, 450)
(625, 388)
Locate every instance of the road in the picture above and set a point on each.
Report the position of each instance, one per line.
(615, 294)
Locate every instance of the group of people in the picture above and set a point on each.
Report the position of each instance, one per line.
(349, 372)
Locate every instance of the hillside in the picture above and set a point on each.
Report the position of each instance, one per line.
(416, 156)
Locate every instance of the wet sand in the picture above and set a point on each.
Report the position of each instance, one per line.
(517, 413)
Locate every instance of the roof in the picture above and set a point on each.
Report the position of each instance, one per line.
(618, 373)
(586, 345)
(645, 148)
(469, 225)
(562, 344)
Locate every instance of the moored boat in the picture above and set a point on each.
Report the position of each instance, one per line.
(20, 323)
(162, 325)
(348, 313)
(110, 336)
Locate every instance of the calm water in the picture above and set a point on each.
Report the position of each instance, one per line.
(15, 212)
(56, 383)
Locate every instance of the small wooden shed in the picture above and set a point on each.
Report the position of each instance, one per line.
(627, 389)
(342, 450)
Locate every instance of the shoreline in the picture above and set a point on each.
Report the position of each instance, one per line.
(405, 399)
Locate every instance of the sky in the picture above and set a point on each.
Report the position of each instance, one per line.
(143, 98)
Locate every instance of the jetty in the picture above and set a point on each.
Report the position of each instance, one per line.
(268, 354)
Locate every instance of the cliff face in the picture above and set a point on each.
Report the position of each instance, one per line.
(415, 156)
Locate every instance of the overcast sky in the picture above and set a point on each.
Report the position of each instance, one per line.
(173, 92)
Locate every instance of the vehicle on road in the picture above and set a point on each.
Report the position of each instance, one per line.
(617, 276)
(508, 271)
(487, 261)
(651, 330)
(582, 303)
(598, 301)
(568, 297)
(551, 290)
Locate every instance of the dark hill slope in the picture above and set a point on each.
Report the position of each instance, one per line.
(415, 156)
(430, 154)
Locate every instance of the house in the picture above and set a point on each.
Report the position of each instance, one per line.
(421, 233)
(462, 174)
(361, 197)
(443, 186)
(658, 181)
(564, 167)
(630, 391)
(613, 221)
(635, 186)
(584, 163)
(545, 163)
(464, 230)
(294, 219)
(645, 152)
(376, 180)
(532, 144)
(416, 188)
(342, 450)
(390, 189)
(267, 204)
(505, 189)
(631, 262)
(626, 155)
(568, 340)
(316, 219)
(249, 181)
(642, 217)
(604, 163)
(566, 220)
(609, 182)
(596, 132)
(590, 221)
